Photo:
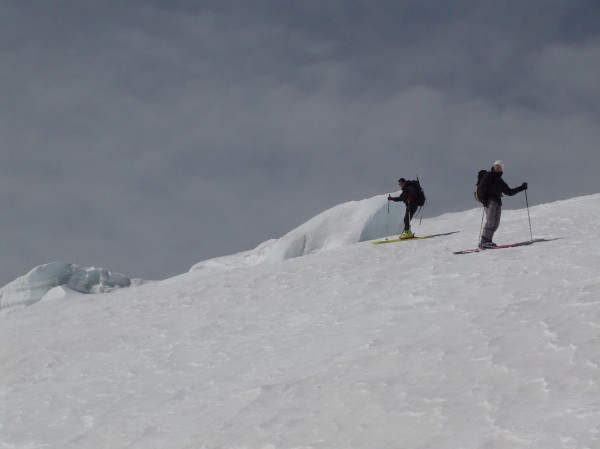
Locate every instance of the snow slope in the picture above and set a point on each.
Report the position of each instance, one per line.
(403, 345)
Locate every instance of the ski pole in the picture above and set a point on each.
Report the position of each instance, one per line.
(528, 216)
(387, 223)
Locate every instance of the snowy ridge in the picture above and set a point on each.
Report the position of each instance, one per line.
(402, 345)
(342, 225)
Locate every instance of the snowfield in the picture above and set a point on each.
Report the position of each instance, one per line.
(322, 340)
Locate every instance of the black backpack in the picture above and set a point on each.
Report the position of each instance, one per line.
(480, 175)
(420, 194)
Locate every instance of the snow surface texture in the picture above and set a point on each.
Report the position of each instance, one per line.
(58, 279)
(403, 345)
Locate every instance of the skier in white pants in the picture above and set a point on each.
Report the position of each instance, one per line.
(491, 188)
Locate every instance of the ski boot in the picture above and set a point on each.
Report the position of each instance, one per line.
(407, 234)
(486, 243)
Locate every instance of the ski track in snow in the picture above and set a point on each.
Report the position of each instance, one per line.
(404, 345)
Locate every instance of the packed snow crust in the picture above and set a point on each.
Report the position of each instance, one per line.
(402, 345)
(35, 285)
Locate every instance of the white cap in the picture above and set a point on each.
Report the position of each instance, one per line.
(500, 163)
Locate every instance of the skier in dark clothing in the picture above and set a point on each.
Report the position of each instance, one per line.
(408, 196)
(491, 188)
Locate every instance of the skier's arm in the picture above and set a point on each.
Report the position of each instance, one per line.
(510, 192)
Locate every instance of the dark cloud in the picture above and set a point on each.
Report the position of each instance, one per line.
(145, 136)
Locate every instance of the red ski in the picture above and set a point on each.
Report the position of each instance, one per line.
(510, 245)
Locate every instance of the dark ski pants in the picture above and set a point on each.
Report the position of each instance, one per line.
(493, 211)
(410, 211)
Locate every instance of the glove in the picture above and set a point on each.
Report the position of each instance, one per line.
(389, 197)
(523, 186)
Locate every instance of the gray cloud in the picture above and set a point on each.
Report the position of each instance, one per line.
(145, 136)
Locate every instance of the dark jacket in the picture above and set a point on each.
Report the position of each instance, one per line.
(409, 193)
(492, 187)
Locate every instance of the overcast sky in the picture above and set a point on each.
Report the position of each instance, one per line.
(144, 136)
